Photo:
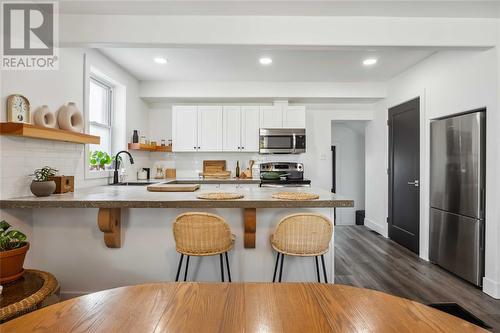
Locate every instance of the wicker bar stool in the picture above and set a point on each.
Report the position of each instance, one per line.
(304, 235)
(202, 234)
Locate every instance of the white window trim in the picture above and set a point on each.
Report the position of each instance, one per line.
(91, 73)
(110, 114)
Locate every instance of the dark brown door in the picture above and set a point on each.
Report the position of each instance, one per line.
(404, 174)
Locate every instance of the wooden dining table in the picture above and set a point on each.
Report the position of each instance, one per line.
(238, 307)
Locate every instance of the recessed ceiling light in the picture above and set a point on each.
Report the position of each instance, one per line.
(160, 60)
(370, 61)
(265, 61)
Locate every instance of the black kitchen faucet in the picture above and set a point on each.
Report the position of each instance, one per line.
(117, 162)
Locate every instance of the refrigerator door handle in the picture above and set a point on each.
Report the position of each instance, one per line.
(414, 183)
(482, 202)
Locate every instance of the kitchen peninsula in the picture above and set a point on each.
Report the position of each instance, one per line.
(139, 222)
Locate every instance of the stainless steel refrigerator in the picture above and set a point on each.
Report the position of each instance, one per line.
(457, 194)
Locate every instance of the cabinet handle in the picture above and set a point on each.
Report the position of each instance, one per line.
(194, 147)
(242, 148)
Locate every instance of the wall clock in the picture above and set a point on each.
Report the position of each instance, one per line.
(18, 109)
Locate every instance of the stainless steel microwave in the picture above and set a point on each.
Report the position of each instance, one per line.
(282, 140)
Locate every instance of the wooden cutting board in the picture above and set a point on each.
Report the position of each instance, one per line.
(173, 187)
(214, 166)
(217, 175)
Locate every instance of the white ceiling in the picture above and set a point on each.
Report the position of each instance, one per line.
(241, 63)
(403, 8)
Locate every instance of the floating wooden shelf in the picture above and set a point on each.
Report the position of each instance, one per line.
(37, 132)
(140, 146)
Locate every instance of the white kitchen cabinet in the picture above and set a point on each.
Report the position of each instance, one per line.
(196, 128)
(294, 116)
(184, 128)
(209, 128)
(283, 116)
(250, 128)
(241, 128)
(232, 129)
(271, 117)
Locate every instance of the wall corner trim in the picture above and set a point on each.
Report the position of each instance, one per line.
(377, 227)
(491, 287)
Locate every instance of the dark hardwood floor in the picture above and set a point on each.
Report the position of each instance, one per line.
(365, 259)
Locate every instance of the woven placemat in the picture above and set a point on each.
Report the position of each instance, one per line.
(219, 196)
(295, 196)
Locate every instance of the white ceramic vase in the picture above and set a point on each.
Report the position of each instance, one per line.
(70, 118)
(44, 118)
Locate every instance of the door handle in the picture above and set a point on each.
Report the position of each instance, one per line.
(414, 183)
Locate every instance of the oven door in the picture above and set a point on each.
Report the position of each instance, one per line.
(276, 141)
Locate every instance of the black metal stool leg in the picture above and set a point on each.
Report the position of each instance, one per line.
(228, 270)
(281, 266)
(186, 271)
(179, 268)
(324, 268)
(276, 266)
(317, 268)
(221, 267)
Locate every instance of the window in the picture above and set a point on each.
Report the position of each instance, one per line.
(100, 122)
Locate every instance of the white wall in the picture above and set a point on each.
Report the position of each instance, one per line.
(349, 139)
(21, 156)
(449, 82)
(376, 163)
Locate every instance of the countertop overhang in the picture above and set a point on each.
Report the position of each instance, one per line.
(139, 197)
(109, 200)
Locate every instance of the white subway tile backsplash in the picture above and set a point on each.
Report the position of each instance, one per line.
(21, 156)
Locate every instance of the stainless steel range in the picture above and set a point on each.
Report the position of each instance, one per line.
(283, 174)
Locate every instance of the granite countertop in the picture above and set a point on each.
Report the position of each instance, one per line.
(139, 197)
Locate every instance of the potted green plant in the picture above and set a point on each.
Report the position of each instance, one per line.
(99, 159)
(13, 248)
(41, 186)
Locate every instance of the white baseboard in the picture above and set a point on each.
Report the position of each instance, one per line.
(375, 227)
(491, 288)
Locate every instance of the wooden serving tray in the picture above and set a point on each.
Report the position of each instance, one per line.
(173, 187)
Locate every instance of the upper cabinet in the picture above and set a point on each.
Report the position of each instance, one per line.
(250, 124)
(215, 128)
(231, 137)
(294, 116)
(209, 128)
(196, 128)
(271, 117)
(231, 128)
(241, 129)
(185, 128)
(282, 116)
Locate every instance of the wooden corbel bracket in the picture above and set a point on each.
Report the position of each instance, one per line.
(250, 220)
(109, 222)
